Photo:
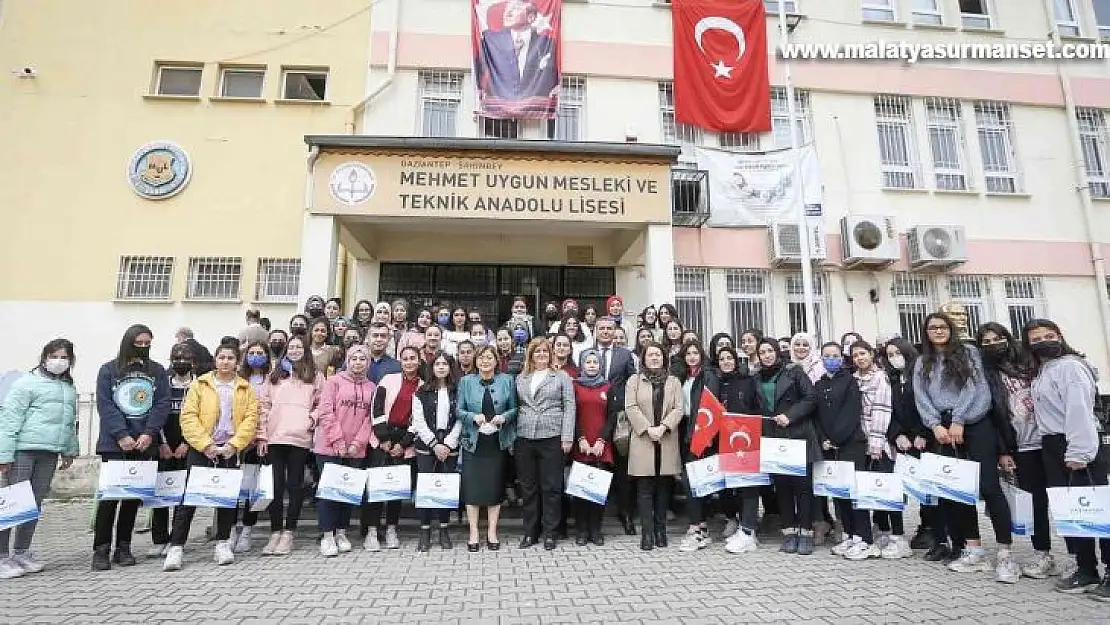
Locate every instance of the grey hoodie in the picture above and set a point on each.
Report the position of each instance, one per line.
(1064, 398)
(969, 403)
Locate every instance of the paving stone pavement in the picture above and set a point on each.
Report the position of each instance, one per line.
(616, 583)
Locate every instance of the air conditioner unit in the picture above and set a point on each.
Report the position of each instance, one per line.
(869, 241)
(937, 247)
(786, 244)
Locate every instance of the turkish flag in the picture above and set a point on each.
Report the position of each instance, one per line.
(707, 423)
(721, 79)
(740, 437)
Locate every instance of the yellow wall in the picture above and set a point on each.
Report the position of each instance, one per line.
(68, 210)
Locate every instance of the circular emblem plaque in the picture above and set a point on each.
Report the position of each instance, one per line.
(159, 170)
(352, 183)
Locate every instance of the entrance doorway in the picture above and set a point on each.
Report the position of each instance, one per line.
(490, 288)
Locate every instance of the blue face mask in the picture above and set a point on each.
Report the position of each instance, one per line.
(287, 365)
(256, 361)
(443, 319)
(833, 365)
(520, 336)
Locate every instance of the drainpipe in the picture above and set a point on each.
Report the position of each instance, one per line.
(1081, 186)
(390, 69)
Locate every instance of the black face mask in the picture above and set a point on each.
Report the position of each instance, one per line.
(142, 352)
(994, 351)
(1047, 349)
(299, 331)
(181, 367)
(315, 312)
(277, 348)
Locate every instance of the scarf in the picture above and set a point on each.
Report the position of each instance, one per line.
(589, 381)
(655, 376)
(875, 388)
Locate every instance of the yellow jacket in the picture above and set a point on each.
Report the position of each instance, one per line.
(200, 413)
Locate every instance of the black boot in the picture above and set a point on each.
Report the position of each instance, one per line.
(425, 539)
(661, 535)
(444, 537)
(627, 525)
(923, 539)
(123, 555)
(101, 558)
(647, 542)
(596, 519)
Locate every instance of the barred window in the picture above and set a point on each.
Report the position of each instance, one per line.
(901, 168)
(500, 128)
(1095, 139)
(739, 141)
(780, 118)
(674, 133)
(1001, 171)
(944, 119)
(214, 277)
(144, 277)
(692, 298)
(1025, 301)
(879, 10)
(570, 120)
(440, 97)
(916, 298)
(796, 304)
(278, 280)
(748, 299)
(974, 292)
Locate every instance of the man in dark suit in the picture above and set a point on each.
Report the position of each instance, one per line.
(617, 365)
(517, 62)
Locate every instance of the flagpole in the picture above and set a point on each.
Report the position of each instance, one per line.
(800, 208)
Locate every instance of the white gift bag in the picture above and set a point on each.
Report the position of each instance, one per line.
(747, 480)
(210, 487)
(17, 505)
(705, 476)
(127, 479)
(438, 490)
(1021, 509)
(250, 480)
(389, 483)
(341, 483)
(909, 469)
(879, 491)
(262, 495)
(589, 483)
(834, 478)
(168, 490)
(782, 456)
(951, 478)
(1080, 511)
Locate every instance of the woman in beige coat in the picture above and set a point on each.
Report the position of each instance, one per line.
(653, 403)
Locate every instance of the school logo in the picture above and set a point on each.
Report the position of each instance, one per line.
(133, 471)
(352, 183)
(1084, 502)
(878, 482)
(170, 481)
(947, 468)
(215, 478)
(159, 170)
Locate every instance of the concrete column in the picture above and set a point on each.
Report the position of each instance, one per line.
(659, 263)
(365, 279)
(319, 250)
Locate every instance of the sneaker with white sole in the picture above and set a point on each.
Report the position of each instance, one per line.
(970, 562)
(328, 548)
(392, 540)
(371, 543)
(693, 541)
(843, 546)
(28, 563)
(731, 527)
(284, 545)
(10, 570)
(741, 542)
(174, 555)
(341, 541)
(882, 539)
(271, 545)
(223, 554)
(1042, 566)
(157, 550)
(1067, 567)
(897, 549)
(241, 540)
(1006, 571)
(862, 551)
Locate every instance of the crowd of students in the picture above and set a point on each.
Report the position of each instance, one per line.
(509, 405)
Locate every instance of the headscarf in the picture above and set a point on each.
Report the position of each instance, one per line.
(589, 381)
(656, 376)
(357, 348)
(766, 372)
(810, 364)
(609, 302)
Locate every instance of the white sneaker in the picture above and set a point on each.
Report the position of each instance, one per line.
(862, 551)
(882, 539)
(1067, 567)
(28, 563)
(223, 554)
(731, 528)
(174, 555)
(392, 541)
(241, 540)
(10, 570)
(341, 542)
(1006, 570)
(328, 549)
(843, 546)
(157, 551)
(1042, 566)
(371, 543)
(970, 562)
(741, 542)
(692, 541)
(896, 549)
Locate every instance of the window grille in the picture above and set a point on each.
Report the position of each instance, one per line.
(570, 119)
(1094, 139)
(944, 121)
(879, 10)
(674, 133)
(780, 118)
(500, 128)
(440, 97)
(974, 292)
(1025, 300)
(901, 168)
(996, 143)
(796, 304)
(278, 279)
(144, 277)
(916, 298)
(215, 278)
(748, 300)
(692, 298)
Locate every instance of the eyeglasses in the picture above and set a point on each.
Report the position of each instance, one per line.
(937, 328)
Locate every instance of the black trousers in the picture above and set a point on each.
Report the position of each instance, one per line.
(653, 496)
(1031, 478)
(742, 504)
(1059, 475)
(539, 469)
(623, 494)
(371, 513)
(183, 516)
(795, 497)
(120, 514)
(160, 517)
(428, 463)
(856, 522)
(588, 516)
(248, 517)
(288, 464)
(962, 520)
(695, 506)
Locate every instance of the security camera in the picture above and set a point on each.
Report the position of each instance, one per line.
(25, 72)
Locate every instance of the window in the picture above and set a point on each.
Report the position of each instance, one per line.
(928, 12)
(780, 118)
(691, 285)
(1067, 20)
(440, 97)
(144, 277)
(944, 122)
(178, 80)
(996, 143)
(974, 292)
(1102, 17)
(878, 10)
(796, 304)
(500, 128)
(976, 14)
(1094, 139)
(897, 149)
(915, 298)
(242, 82)
(278, 280)
(772, 6)
(214, 277)
(569, 121)
(748, 300)
(305, 84)
(1025, 300)
(739, 141)
(673, 132)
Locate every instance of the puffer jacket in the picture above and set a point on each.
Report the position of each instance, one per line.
(39, 414)
(290, 411)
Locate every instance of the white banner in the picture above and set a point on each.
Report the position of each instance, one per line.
(210, 487)
(754, 189)
(589, 483)
(834, 479)
(168, 490)
(782, 456)
(341, 483)
(17, 505)
(389, 483)
(438, 490)
(705, 476)
(127, 479)
(1081, 511)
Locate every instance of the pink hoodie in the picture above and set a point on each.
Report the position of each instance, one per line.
(344, 415)
(290, 410)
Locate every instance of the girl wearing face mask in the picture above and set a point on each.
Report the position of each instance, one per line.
(436, 428)
(37, 434)
(298, 325)
(290, 412)
(173, 449)
(133, 403)
(478, 336)
(363, 314)
(323, 355)
(595, 418)
(520, 313)
(314, 307)
(255, 369)
(512, 361)
(1072, 444)
(695, 378)
(278, 339)
(551, 317)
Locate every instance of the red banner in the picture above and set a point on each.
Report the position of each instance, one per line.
(721, 77)
(740, 438)
(517, 57)
(707, 423)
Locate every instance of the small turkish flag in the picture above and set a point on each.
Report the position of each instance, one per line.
(706, 424)
(740, 437)
(721, 76)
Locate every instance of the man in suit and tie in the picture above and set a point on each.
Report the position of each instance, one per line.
(518, 62)
(617, 365)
